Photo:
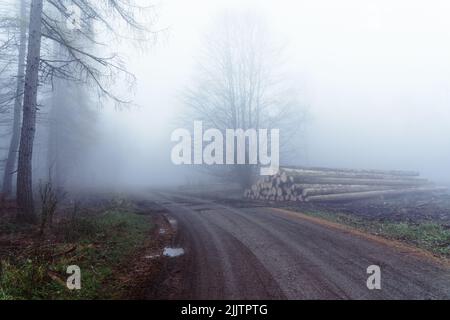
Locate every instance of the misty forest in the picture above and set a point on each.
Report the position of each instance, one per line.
(215, 149)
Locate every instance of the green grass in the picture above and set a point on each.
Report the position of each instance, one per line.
(429, 236)
(7, 227)
(103, 242)
(425, 235)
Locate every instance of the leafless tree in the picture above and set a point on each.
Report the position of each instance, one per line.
(8, 57)
(47, 27)
(15, 134)
(241, 84)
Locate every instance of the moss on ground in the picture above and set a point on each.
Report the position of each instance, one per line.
(99, 245)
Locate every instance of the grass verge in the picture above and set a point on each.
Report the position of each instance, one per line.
(430, 236)
(100, 245)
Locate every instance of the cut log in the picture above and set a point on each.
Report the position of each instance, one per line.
(330, 189)
(387, 172)
(368, 182)
(329, 184)
(373, 194)
(337, 174)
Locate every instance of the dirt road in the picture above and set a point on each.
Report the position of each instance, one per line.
(264, 253)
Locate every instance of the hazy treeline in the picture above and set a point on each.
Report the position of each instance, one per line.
(242, 82)
(54, 65)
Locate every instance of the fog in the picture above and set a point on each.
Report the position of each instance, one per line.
(373, 75)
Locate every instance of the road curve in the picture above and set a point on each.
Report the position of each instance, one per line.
(264, 253)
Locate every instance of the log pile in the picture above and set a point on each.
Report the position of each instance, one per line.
(328, 184)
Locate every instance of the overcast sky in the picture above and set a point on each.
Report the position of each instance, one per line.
(375, 76)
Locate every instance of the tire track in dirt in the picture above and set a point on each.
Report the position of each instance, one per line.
(262, 253)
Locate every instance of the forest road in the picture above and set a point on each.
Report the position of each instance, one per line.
(267, 253)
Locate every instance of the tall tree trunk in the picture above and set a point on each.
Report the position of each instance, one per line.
(14, 143)
(24, 172)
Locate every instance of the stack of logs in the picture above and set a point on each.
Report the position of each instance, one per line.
(327, 184)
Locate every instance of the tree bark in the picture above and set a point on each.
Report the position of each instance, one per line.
(15, 138)
(24, 172)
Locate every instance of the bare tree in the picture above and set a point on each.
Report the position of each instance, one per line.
(14, 143)
(241, 84)
(9, 40)
(48, 25)
(24, 172)
(8, 55)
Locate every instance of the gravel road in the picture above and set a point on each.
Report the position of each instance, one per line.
(266, 253)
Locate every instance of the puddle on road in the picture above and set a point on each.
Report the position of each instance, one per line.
(173, 223)
(173, 252)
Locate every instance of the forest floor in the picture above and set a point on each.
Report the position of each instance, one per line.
(112, 240)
